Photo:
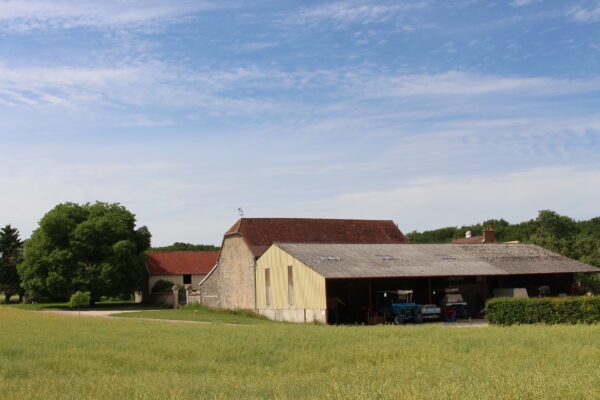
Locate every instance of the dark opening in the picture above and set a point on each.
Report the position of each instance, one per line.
(353, 301)
(187, 279)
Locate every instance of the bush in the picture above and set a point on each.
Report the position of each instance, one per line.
(162, 286)
(80, 299)
(545, 310)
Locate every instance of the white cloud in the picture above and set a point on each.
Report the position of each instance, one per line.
(349, 12)
(25, 15)
(433, 202)
(586, 15)
(521, 3)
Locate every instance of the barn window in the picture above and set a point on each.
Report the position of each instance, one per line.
(187, 279)
(268, 287)
(291, 299)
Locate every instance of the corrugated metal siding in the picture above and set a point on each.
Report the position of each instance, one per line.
(309, 286)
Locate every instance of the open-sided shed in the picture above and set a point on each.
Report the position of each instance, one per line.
(335, 282)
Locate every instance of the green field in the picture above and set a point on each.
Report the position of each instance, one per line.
(198, 313)
(47, 356)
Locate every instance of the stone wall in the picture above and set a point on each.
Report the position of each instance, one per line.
(209, 289)
(231, 284)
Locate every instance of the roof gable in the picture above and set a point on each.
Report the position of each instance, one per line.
(260, 233)
(181, 262)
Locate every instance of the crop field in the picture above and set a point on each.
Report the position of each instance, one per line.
(48, 356)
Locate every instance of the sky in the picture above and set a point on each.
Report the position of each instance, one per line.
(429, 113)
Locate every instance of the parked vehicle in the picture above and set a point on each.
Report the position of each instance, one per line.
(453, 305)
(397, 307)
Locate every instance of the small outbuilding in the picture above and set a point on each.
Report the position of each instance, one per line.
(180, 267)
(338, 283)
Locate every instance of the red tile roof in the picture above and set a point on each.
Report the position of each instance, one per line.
(181, 262)
(260, 233)
(472, 239)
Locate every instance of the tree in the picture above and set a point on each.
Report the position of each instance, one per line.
(179, 246)
(90, 248)
(11, 253)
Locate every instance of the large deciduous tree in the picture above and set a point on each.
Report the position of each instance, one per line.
(11, 251)
(92, 248)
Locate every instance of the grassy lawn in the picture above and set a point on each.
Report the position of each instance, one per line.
(99, 306)
(200, 314)
(49, 356)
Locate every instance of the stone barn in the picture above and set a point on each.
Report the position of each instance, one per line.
(231, 283)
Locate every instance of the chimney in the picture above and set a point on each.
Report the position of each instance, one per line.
(489, 236)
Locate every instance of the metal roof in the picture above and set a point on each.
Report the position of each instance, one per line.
(337, 260)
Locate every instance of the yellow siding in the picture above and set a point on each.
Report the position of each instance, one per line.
(309, 286)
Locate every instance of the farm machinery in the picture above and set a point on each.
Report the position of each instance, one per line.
(397, 306)
(453, 305)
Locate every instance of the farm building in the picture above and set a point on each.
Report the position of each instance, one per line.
(180, 267)
(339, 283)
(488, 236)
(230, 284)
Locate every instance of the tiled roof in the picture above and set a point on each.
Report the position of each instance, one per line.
(472, 239)
(260, 233)
(181, 262)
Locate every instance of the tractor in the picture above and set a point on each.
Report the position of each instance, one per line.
(397, 307)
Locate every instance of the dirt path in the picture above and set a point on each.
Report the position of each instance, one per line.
(110, 314)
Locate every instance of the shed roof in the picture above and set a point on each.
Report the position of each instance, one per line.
(181, 262)
(260, 233)
(420, 260)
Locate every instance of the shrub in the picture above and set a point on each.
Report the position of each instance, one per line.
(545, 310)
(80, 299)
(162, 286)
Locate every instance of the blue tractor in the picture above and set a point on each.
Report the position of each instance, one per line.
(397, 306)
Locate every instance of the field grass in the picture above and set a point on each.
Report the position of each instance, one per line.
(200, 314)
(99, 306)
(48, 356)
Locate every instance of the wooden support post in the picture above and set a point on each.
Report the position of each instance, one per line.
(429, 292)
(370, 312)
(485, 289)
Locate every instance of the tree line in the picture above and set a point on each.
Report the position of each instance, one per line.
(579, 240)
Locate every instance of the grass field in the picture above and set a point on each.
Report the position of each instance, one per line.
(201, 314)
(47, 356)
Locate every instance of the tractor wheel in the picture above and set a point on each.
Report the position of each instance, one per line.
(398, 320)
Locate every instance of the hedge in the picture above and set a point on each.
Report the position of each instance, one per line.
(545, 310)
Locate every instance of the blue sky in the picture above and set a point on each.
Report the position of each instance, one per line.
(430, 113)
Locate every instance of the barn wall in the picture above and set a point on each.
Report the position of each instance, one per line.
(232, 282)
(309, 289)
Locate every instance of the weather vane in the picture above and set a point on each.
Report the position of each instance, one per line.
(240, 212)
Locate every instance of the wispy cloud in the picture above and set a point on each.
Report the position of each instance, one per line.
(586, 15)
(352, 12)
(22, 16)
(521, 3)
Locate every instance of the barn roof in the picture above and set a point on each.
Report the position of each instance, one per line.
(420, 260)
(260, 233)
(181, 262)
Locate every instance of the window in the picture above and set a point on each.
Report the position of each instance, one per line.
(187, 279)
(291, 299)
(268, 287)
